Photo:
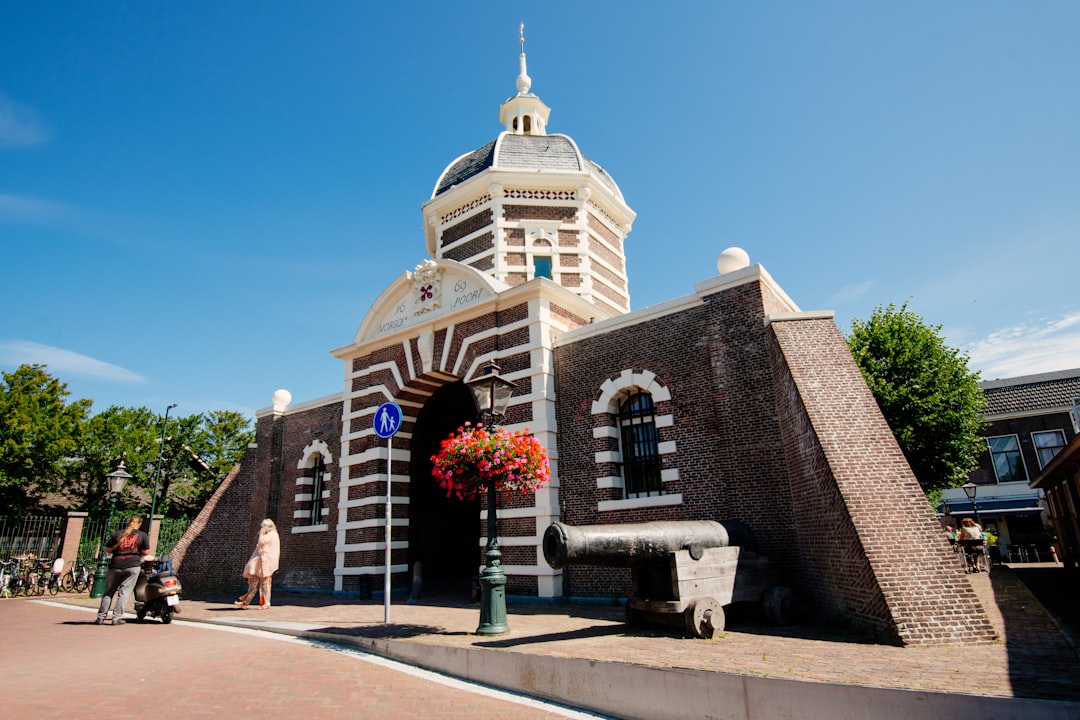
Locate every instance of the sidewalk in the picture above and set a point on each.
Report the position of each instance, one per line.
(1033, 657)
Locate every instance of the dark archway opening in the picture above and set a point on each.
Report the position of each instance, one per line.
(444, 533)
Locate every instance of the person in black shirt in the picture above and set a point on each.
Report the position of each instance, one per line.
(127, 548)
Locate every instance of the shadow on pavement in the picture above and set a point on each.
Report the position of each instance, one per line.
(596, 631)
(391, 631)
(1045, 664)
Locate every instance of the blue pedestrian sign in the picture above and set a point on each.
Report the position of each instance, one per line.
(387, 419)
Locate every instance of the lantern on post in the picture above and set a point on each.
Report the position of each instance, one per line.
(972, 490)
(491, 393)
(116, 479)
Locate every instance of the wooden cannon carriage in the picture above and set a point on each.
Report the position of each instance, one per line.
(684, 572)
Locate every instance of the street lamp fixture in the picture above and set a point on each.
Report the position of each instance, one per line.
(157, 472)
(116, 479)
(491, 393)
(972, 490)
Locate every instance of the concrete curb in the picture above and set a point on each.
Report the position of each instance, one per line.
(638, 692)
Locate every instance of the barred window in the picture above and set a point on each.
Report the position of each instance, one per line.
(640, 446)
(318, 479)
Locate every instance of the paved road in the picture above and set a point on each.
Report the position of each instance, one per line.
(57, 664)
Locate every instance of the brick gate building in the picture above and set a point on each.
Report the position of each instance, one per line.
(726, 403)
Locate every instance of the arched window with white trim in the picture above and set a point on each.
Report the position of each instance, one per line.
(310, 512)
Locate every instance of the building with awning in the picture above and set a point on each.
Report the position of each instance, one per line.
(1030, 421)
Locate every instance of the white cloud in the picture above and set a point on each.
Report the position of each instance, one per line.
(24, 208)
(849, 292)
(64, 362)
(19, 125)
(1039, 346)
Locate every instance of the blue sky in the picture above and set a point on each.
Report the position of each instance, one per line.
(198, 201)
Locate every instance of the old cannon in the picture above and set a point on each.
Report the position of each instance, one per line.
(683, 572)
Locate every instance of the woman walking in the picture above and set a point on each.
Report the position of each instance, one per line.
(261, 566)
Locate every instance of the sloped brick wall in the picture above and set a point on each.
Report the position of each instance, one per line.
(210, 556)
(872, 552)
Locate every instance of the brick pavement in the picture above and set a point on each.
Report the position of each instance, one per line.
(184, 670)
(1032, 658)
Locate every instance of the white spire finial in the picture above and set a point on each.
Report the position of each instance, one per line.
(524, 82)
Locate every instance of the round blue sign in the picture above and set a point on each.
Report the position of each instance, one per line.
(387, 419)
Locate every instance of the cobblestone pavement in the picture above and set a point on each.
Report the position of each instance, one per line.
(58, 664)
(1033, 657)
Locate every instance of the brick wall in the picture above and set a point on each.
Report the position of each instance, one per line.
(871, 550)
(213, 551)
(773, 426)
(1022, 427)
(210, 556)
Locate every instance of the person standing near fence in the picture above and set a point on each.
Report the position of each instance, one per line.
(127, 547)
(261, 566)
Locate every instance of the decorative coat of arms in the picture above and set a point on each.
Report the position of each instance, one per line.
(427, 287)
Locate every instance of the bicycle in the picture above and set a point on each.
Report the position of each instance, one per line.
(6, 578)
(51, 573)
(80, 577)
(21, 575)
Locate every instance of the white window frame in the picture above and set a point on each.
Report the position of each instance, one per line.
(1019, 452)
(1038, 450)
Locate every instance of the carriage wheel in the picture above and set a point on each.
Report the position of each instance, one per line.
(705, 618)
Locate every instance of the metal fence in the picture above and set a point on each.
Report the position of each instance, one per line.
(172, 529)
(41, 535)
(90, 542)
(24, 535)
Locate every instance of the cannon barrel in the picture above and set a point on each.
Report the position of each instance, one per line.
(631, 545)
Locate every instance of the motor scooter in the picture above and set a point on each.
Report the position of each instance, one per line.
(157, 591)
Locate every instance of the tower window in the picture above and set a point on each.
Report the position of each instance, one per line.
(528, 124)
(542, 267)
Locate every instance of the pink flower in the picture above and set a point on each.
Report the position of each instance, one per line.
(473, 455)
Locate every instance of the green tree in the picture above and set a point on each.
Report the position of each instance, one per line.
(111, 436)
(39, 432)
(926, 392)
(199, 451)
(223, 439)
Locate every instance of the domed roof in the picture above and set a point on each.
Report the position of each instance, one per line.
(511, 151)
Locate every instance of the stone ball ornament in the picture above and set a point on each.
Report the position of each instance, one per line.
(281, 399)
(732, 259)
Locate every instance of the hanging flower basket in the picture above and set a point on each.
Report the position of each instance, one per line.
(474, 455)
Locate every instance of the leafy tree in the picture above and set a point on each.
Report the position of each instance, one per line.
(926, 392)
(39, 430)
(199, 451)
(111, 436)
(223, 439)
(50, 447)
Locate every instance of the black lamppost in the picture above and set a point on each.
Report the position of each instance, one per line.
(491, 393)
(971, 490)
(157, 473)
(117, 479)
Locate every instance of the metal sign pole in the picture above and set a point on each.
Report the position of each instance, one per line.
(386, 423)
(386, 583)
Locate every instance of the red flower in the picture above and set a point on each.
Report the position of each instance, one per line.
(473, 455)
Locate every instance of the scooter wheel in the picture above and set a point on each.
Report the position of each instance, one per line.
(166, 617)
